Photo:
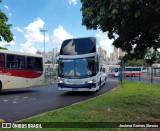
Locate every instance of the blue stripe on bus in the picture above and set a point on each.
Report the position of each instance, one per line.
(91, 85)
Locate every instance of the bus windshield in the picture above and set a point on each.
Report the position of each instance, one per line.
(84, 67)
(78, 46)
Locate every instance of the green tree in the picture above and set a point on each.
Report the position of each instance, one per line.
(139, 62)
(5, 33)
(133, 24)
(48, 62)
(3, 48)
(158, 57)
(152, 56)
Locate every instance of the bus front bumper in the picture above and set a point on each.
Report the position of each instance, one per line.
(75, 87)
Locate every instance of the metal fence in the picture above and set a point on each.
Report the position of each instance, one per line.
(141, 78)
(50, 77)
(152, 75)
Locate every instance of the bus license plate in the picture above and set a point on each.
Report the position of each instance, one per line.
(74, 89)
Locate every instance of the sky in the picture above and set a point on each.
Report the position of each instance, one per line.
(62, 19)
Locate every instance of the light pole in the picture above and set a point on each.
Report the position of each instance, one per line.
(7, 45)
(44, 32)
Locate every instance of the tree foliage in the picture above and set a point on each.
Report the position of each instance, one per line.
(133, 24)
(5, 33)
(137, 63)
(3, 48)
(152, 56)
(48, 62)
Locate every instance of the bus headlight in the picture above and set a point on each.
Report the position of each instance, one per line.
(91, 81)
(60, 81)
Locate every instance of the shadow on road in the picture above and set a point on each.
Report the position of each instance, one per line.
(11, 92)
(84, 93)
(79, 93)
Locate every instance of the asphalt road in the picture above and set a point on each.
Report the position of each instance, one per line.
(23, 103)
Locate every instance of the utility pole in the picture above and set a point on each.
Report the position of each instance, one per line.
(44, 32)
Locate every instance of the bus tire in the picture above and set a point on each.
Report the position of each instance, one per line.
(133, 75)
(99, 85)
(97, 90)
(0, 86)
(105, 80)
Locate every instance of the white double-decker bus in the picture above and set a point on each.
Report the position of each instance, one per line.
(81, 67)
(19, 70)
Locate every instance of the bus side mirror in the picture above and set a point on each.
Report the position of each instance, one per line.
(104, 70)
(101, 69)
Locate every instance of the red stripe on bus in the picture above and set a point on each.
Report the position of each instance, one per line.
(21, 73)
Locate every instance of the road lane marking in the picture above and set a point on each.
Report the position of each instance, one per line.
(14, 102)
(5, 100)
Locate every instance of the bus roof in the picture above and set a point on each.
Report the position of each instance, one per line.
(19, 53)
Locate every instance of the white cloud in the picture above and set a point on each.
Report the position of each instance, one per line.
(28, 47)
(18, 29)
(10, 14)
(59, 35)
(21, 50)
(33, 35)
(4, 43)
(105, 42)
(5, 6)
(72, 2)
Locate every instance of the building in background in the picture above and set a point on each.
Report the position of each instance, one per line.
(51, 55)
(114, 58)
(121, 53)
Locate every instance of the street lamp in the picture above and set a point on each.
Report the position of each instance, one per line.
(44, 31)
(6, 46)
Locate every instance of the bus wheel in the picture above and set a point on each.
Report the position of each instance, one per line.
(105, 80)
(0, 86)
(133, 75)
(99, 85)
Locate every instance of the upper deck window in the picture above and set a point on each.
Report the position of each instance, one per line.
(78, 46)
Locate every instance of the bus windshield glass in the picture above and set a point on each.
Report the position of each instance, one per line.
(78, 46)
(84, 67)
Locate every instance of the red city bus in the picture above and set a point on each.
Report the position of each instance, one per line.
(129, 71)
(20, 70)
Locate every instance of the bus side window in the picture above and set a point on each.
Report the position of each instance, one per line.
(2, 62)
(30, 62)
(21, 62)
(11, 61)
(38, 63)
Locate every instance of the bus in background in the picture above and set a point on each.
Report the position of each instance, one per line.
(19, 70)
(129, 71)
(111, 69)
(81, 67)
